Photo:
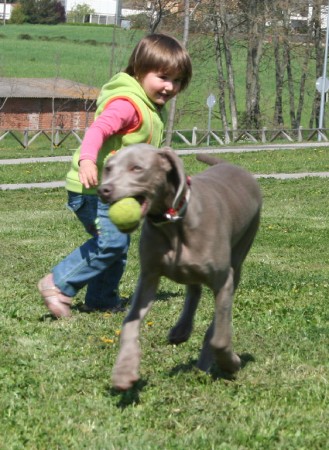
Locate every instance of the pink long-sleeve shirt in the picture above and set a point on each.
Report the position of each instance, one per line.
(118, 117)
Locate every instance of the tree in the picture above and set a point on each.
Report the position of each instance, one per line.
(155, 15)
(255, 20)
(289, 30)
(172, 110)
(319, 55)
(220, 71)
(29, 9)
(224, 62)
(48, 12)
(17, 15)
(280, 25)
(79, 12)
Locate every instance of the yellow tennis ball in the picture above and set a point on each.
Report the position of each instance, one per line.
(126, 214)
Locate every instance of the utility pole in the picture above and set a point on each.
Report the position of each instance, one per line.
(4, 11)
(118, 13)
(324, 75)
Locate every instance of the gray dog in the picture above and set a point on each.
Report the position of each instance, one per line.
(197, 231)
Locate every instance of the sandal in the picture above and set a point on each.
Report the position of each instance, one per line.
(57, 303)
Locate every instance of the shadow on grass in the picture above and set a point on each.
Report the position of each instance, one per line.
(214, 372)
(132, 395)
(165, 296)
(47, 317)
(184, 367)
(129, 397)
(246, 358)
(218, 374)
(125, 303)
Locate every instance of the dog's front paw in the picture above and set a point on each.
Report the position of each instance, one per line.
(125, 372)
(227, 361)
(123, 380)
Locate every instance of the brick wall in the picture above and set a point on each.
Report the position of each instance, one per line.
(36, 114)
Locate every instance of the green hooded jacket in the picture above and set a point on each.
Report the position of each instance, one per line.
(149, 129)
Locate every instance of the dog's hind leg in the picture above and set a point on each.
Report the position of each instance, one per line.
(221, 341)
(241, 249)
(184, 326)
(207, 355)
(217, 343)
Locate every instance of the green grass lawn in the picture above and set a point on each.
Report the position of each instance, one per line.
(81, 53)
(55, 376)
(86, 54)
(276, 161)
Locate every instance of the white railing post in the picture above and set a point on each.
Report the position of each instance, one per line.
(194, 135)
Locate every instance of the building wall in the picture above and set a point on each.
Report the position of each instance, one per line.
(36, 114)
(107, 7)
(5, 10)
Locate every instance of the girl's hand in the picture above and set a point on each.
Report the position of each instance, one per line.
(88, 173)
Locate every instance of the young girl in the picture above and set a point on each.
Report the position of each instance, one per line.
(130, 110)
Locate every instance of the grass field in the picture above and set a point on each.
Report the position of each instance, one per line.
(265, 162)
(91, 54)
(55, 375)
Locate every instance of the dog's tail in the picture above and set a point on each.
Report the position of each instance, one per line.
(210, 160)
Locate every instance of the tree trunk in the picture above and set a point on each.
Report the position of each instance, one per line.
(319, 60)
(220, 71)
(256, 26)
(291, 89)
(279, 77)
(156, 15)
(224, 23)
(302, 86)
(172, 109)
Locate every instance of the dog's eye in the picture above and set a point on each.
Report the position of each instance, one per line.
(136, 168)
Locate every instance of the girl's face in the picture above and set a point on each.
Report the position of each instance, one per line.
(160, 87)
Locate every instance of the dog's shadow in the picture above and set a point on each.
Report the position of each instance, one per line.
(132, 395)
(129, 397)
(165, 296)
(214, 372)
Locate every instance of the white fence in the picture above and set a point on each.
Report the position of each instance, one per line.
(189, 138)
(264, 135)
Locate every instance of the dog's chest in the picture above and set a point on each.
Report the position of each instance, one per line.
(184, 257)
(183, 265)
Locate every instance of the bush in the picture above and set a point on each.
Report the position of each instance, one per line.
(139, 21)
(48, 12)
(17, 15)
(25, 37)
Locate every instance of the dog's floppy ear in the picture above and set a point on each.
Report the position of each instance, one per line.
(172, 162)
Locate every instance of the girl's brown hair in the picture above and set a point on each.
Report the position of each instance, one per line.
(160, 52)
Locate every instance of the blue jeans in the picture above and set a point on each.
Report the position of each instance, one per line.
(100, 262)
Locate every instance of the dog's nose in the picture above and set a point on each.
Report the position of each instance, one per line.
(105, 191)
